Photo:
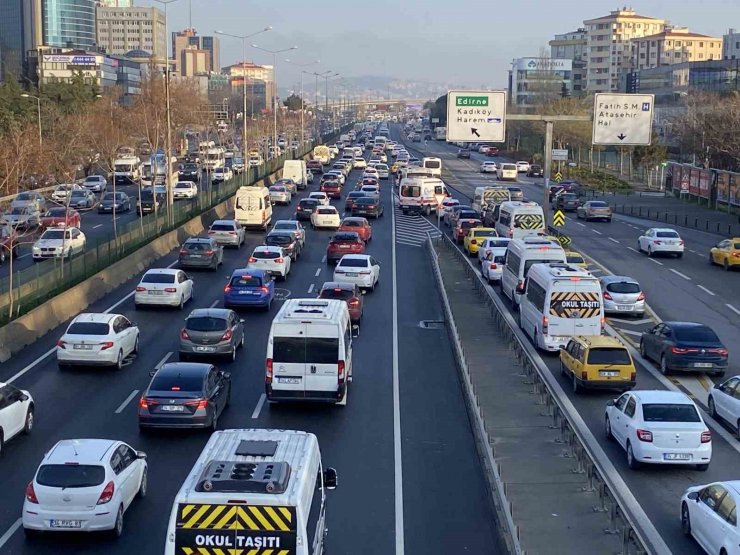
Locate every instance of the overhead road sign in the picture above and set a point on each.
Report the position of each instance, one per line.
(476, 116)
(560, 154)
(623, 119)
(558, 219)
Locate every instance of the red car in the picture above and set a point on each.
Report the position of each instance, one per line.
(344, 242)
(348, 292)
(366, 181)
(315, 166)
(463, 226)
(60, 217)
(492, 151)
(332, 189)
(359, 225)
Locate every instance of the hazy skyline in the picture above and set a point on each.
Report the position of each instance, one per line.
(461, 42)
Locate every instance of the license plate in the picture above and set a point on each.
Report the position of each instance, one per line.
(625, 307)
(65, 523)
(84, 347)
(608, 373)
(702, 365)
(244, 292)
(676, 456)
(173, 408)
(205, 349)
(196, 256)
(343, 246)
(293, 381)
(155, 292)
(351, 274)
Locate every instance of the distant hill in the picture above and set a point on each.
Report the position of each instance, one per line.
(376, 86)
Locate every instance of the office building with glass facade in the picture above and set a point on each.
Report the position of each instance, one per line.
(69, 23)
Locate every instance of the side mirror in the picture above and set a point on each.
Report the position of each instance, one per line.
(355, 331)
(226, 375)
(363, 292)
(694, 496)
(717, 386)
(331, 480)
(241, 320)
(141, 455)
(610, 403)
(24, 397)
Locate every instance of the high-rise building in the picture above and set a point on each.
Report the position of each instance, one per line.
(193, 61)
(121, 30)
(572, 46)
(69, 23)
(190, 38)
(116, 3)
(13, 45)
(259, 78)
(674, 45)
(731, 45)
(609, 46)
(534, 81)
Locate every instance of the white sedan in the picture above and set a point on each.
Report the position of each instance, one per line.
(709, 515)
(492, 258)
(272, 259)
(279, 194)
(16, 413)
(61, 193)
(185, 189)
(84, 485)
(361, 269)
(724, 402)
(522, 166)
(98, 340)
(661, 240)
(488, 167)
(339, 174)
(659, 427)
(59, 243)
(370, 172)
(325, 217)
(323, 198)
(164, 287)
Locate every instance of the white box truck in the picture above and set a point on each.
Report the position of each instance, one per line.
(296, 170)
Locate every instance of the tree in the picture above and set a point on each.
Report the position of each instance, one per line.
(294, 103)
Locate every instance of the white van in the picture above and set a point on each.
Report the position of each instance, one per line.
(322, 154)
(559, 302)
(419, 194)
(507, 172)
(215, 158)
(253, 207)
(432, 164)
(253, 491)
(296, 170)
(487, 194)
(519, 218)
(521, 254)
(309, 352)
(126, 170)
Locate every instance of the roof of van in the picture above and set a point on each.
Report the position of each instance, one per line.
(311, 310)
(562, 270)
(512, 204)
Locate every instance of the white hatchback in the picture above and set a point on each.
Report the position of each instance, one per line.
(325, 217)
(97, 340)
(16, 413)
(361, 269)
(272, 259)
(164, 287)
(661, 240)
(724, 402)
(659, 427)
(84, 485)
(322, 197)
(488, 167)
(185, 189)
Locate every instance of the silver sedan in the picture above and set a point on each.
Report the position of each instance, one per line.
(279, 194)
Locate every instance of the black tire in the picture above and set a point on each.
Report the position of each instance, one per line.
(119, 360)
(663, 366)
(632, 462)
(143, 486)
(31, 534)
(184, 357)
(712, 408)
(2, 442)
(608, 429)
(28, 425)
(685, 520)
(726, 266)
(182, 302)
(643, 351)
(576, 386)
(136, 346)
(679, 255)
(214, 423)
(117, 530)
(702, 467)
(718, 374)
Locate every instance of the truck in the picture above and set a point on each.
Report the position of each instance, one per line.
(215, 158)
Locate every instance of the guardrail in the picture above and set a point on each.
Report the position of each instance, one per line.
(625, 517)
(30, 287)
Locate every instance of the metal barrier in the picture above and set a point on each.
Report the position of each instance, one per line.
(637, 537)
(683, 220)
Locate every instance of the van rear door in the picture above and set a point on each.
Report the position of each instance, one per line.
(322, 359)
(574, 308)
(289, 360)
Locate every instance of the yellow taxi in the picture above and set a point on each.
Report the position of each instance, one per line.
(597, 362)
(475, 238)
(726, 253)
(575, 258)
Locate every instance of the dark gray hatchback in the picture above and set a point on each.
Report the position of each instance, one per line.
(201, 252)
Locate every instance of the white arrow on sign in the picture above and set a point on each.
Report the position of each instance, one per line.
(623, 119)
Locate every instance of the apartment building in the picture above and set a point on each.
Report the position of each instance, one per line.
(572, 46)
(731, 45)
(189, 38)
(123, 29)
(674, 45)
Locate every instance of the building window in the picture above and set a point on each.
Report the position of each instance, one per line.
(701, 45)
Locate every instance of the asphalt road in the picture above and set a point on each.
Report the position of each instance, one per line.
(430, 469)
(671, 296)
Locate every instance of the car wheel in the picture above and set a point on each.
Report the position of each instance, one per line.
(712, 408)
(232, 355)
(718, 374)
(664, 366)
(136, 346)
(632, 462)
(680, 255)
(117, 531)
(643, 351)
(726, 266)
(182, 302)
(685, 520)
(639, 246)
(214, 422)
(650, 252)
(119, 360)
(702, 467)
(28, 426)
(576, 386)
(711, 259)
(608, 429)
(143, 485)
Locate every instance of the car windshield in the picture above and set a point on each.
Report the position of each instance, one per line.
(183, 185)
(569, 196)
(365, 200)
(24, 196)
(70, 475)
(53, 234)
(158, 278)
(667, 234)
(336, 293)
(147, 195)
(190, 167)
(669, 412)
(111, 196)
(279, 239)
(205, 323)
(246, 281)
(78, 194)
(88, 328)
(493, 243)
(17, 211)
(285, 225)
(598, 204)
(353, 262)
(55, 213)
(326, 211)
(623, 287)
(609, 355)
(177, 382)
(308, 203)
(698, 333)
(484, 233)
(277, 189)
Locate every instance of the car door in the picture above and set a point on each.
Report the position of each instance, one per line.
(122, 475)
(718, 251)
(703, 522)
(215, 390)
(618, 419)
(650, 339)
(627, 423)
(12, 411)
(724, 400)
(375, 268)
(722, 525)
(133, 469)
(186, 283)
(127, 331)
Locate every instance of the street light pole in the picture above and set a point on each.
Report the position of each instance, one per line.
(38, 112)
(302, 100)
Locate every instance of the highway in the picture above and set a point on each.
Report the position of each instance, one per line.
(409, 476)
(680, 289)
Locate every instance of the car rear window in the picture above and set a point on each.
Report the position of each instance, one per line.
(667, 234)
(158, 278)
(574, 259)
(365, 200)
(699, 333)
(353, 262)
(308, 203)
(608, 355)
(598, 204)
(222, 227)
(88, 328)
(623, 287)
(485, 233)
(336, 293)
(669, 412)
(319, 350)
(736, 246)
(279, 240)
(322, 350)
(55, 212)
(70, 475)
(326, 211)
(266, 255)
(197, 246)
(205, 323)
(183, 185)
(246, 281)
(171, 382)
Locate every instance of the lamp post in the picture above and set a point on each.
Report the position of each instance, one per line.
(244, 38)
(333, 113)
(274, 85)
(38, 111)
(316, 97)
(302, 101)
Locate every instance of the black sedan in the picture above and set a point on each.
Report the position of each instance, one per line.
(463, 153)
(190, 172)
(367, 206)
(535, 170)
(185, 395)
(306, 207)
(684, 346)
(118, 201)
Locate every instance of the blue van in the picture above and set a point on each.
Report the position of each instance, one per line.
(249, 288)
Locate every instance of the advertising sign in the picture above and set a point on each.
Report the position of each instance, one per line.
(723, 186)
(735, 189)
(705, 178)
(693, 181)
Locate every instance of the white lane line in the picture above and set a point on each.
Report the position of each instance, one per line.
(23, 255)
(684, 276)
(655, 261)
(580, 224)
(633, 250)
(97, 226)
(613, 240)
(165, 358)
(258, 408)
(735, 310)
(707, 291)
(318, 271)
(310, 289)
(214, 303)
(12, 530)
(398, 463)
(29, 366)
(122, 406)
(629, 332)
(597, 232)
(323, 259)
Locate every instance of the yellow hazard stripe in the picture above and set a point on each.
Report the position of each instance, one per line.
(251, 524)
(276, 519)
(196, 517)
(217, 510)
(185, 511)
(259, 516)
(286, 513)
(229, 515)
(187, 551)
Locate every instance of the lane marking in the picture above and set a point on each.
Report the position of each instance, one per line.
(735, 310)
(310, 289)
(633, 250)
(213, 304)
(707, 291)
(318, 271)
(258, 408)
(323, 259)
(597, 232)
(23, 255)
(97, 226)
(122, 406)
(629, 332)
(684, 276)
(12, 530)
(613, 240)
(655, 261)
(580, 224)
(165, 358)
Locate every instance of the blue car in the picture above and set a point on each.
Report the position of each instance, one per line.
(249, 288)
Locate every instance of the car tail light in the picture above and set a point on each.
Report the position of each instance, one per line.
(340, 371)
(264, 289)
(493, 266)
(736, 254)
(364, 272)
(184, 334)
(140, 289)
(183, 252)
(657, 242)
(584, 375)
(227, 288)
(227, 335)
(681, 242)
(61, 344)
(510, 232)
(706, 436)
(107, 493)
(209, 253)
(607, 296)
(353, 302)
(210, 231)
(106, 345)
(199, 404)
(633, 376)
(170, 290)
(145, 403)
(338, 271)
(31, 494)
(232, 232)
(682, 351)
(645, 435)
(641, 297)
(279, 260)
(473, 242)
(720, 351)
(252, 259)
(545, 325)
(268, 371)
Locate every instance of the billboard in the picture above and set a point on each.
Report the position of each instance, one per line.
(543, 64)
(705, 179)
(72, 60)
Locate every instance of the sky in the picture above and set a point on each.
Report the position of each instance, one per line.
(465, 42)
